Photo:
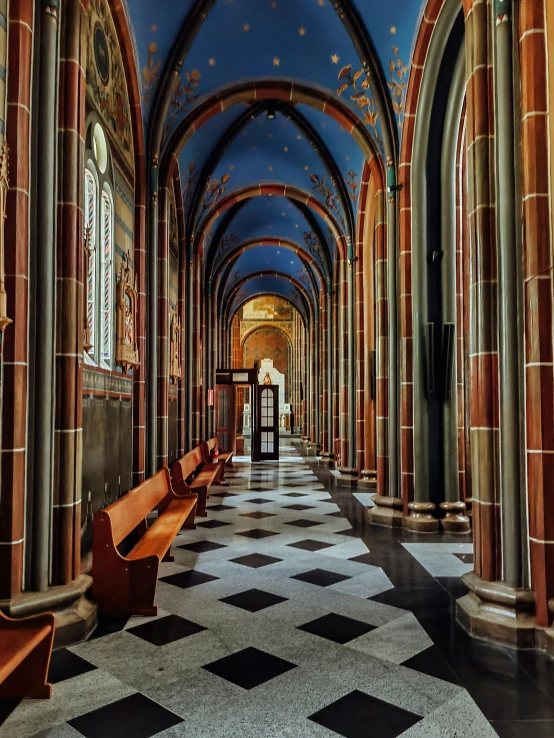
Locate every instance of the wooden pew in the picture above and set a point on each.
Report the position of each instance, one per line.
(25, 650)
(126, 585)
(205, 474)
(225, 457)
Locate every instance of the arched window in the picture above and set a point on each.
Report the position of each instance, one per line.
(107, 276)
(91, 219)
(99, 225)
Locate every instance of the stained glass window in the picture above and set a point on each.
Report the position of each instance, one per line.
(91, 205)
(106, 297)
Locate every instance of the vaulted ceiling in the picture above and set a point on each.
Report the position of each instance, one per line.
(292, 94)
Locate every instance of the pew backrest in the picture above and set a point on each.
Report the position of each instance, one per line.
(125, 514)
(188, 463)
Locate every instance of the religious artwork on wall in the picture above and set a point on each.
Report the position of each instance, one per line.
(127, 291)
(268, 307)
(106, 83)
(175, 347)
(4, 185)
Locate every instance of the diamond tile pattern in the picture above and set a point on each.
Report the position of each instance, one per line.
(249, 668)
(352, 714)
(283, 606)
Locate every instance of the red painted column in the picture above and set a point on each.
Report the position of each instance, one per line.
(15, 358)
(538, 302)
(163, 326)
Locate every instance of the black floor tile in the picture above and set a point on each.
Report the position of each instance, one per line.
(357, 715)
(432, 663)
(212, 524)
(366, 558)
(65, 664)
(220, 508)
(337, 514)
(202, 546)
(166, 630)
(321, 577)
(258, 501)
(298, 507)
(466, 558)
(185, 579)
(258, 515)
(303, 523)
(255, 561)
(135, 716)
(254, 600)
(347, 532)
(310, 545)
(257, 533)
(249, 668)
(337, 628)
(223, 494)
(295, 494)
(7, 706)
(107, 626)
(519, 728)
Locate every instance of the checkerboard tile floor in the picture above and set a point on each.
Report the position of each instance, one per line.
(265, 628)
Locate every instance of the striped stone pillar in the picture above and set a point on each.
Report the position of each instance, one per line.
(15, 340)
(182, 306)
(163, 327)
(344, 377)
(66, 530)
(361, 297)
(196, 305)
(484, 418)
(367, 289)
(335, 450)
(538, 291)
(388, 508)
(324, 369)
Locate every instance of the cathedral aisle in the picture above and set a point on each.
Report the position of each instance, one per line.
(273, 621)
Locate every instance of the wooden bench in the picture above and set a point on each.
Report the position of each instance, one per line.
(25, 650)
(225, 457)
(205, 474)
(126, 584)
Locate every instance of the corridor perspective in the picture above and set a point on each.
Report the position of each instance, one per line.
(276, 368)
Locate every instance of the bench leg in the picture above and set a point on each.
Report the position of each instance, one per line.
(28, 680)
(201, 505)
(168, 556)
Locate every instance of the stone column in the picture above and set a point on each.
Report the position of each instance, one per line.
(163, 329)
(45, 296)
(152, 342)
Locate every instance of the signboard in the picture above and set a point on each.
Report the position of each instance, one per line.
(210, 398)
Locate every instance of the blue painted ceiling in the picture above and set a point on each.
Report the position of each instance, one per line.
(289, 40)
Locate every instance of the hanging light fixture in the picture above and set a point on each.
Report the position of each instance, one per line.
(271, 114)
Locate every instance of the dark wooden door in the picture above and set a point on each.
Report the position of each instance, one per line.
(225, 416)
(266, 424)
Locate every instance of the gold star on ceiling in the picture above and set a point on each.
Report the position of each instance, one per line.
(270, 135)
(335, 59)
(299, 138)
(274, 4)
(320, 2)
(393, 29)
(270, 169)
(302, 31)
(211, 62)
(246, 28)
(306, 169)
(231, 167)
(286, 148)
(276, 61)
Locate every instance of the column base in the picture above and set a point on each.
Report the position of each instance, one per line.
(313, 449)
(493, 611)
(455, 520)
(368, 478)
(420, 519)
(296, 430)
(387, 512)
(348, 477)
(75, 615)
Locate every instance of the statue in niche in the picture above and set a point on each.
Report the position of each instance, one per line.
(127, 291)
(267, 379)
(175, 347)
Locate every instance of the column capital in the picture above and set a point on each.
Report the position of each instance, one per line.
(502, 10)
